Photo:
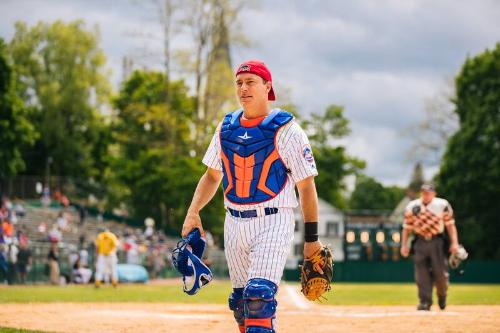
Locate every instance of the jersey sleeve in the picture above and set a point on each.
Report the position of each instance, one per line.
(294, 147)
(408, 217)
(448, 217)
(212, 157)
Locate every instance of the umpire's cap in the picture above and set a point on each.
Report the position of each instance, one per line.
(429, 187)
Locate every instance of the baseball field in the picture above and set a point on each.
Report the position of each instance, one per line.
(163, 307)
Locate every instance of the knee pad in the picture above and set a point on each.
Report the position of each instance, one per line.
(237, 305)
(260, 306)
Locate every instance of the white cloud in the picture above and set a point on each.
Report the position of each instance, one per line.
(379, 59)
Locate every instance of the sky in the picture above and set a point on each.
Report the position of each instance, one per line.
(380, 59)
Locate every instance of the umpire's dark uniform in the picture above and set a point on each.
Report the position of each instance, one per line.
(427, 222)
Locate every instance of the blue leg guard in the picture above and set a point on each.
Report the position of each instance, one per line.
(237, 305)
(260, 306)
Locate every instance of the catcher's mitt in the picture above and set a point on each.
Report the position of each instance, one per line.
(315, 284)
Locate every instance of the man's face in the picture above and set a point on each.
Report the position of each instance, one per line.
(251, 89)
(427, 196)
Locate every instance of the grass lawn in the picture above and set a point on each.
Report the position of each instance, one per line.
(217, 292)
(18, 330)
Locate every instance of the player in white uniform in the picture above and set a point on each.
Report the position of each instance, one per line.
(259, 155)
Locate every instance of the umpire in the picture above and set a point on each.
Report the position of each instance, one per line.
(427, 218)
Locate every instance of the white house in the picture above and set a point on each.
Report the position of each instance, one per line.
(330, 229)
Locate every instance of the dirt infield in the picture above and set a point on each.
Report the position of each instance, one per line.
(139, 318)
(294, 316)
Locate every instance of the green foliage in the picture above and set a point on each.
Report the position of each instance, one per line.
(469, 176)
(153, 159)
(16, 131)
(332, 161)
(60, 74)
(370, 194)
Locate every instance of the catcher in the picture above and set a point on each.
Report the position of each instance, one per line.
(260, 155)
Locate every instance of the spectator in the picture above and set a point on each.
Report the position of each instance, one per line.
(19, 209)
(159, 262)
(45, 199)
(22, 234)
(7, 228)
(64, 201)
(12, 252)
(24, 261)
(53, 261)
(83, 256)
(81, 274)
(132, 250)
(57, 195)
(83, 214)
(62, 222)
(12, 217)
(55, 235)
(3, 263)
(6, 203)
(42, 227)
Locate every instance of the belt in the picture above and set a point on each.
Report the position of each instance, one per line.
(246, 214)
(428, 238)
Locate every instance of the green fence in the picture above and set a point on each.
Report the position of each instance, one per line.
(362, 271)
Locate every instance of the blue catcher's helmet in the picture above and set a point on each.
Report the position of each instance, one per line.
(187, 260)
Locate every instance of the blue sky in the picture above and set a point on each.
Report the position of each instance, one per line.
(380, 59)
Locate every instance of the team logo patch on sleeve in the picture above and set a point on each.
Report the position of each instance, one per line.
(307, 153)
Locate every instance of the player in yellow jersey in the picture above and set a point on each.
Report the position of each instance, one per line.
(107, 262)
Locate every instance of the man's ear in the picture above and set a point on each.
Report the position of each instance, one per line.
(269, 86)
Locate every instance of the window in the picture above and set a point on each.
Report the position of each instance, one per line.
(365, 236)
(396, 237)
(299, 249)
(332, 229)
(380, 237)
(350, 236)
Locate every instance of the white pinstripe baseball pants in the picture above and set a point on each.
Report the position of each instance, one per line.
(258, 247)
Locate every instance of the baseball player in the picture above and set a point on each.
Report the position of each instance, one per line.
(260, 155)
(107, 262)
(427, 218)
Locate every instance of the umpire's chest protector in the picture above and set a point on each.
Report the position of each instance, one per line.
(253, 169)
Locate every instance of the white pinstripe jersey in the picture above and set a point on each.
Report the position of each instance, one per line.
(295, 151)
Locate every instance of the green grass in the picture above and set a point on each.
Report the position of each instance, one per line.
(18, 330)
(217, 292)
(406, 294)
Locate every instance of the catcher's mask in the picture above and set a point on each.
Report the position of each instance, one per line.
(187, 260)
(458, 257)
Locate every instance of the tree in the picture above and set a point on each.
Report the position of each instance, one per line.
(61, 75)
(332, 161)
(371, 195)
(431, 135)
(16, 131)
(214, 28)
(469, 175)
(152, 161)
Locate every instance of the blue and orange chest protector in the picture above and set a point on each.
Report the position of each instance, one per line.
(253, 169)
